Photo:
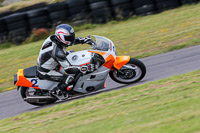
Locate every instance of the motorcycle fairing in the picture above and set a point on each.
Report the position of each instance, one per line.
(121, 61)
(109, 61)
(23, 81)
(34, 82)
(109, 58)
(96, 79)
(79, 58)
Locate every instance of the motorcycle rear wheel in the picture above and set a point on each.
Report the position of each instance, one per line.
(24, 93)
(129, 76)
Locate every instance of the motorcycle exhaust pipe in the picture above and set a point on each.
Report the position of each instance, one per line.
(39, 99)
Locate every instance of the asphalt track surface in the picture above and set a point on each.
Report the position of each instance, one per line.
(158, 67)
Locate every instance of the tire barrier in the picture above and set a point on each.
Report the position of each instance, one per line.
(5, 14)
(32, 7)
(122, 8)
(144, 7)
(188, 1)
(3, 31)
(38, 18)
(58, 13)
(163, 5)
(101, 12)
(78, 10)
(16, 26)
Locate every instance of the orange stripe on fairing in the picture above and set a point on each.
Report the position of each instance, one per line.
(22, 81)
(109, 61)
(97, 52)
(85, 64)
(120, 61)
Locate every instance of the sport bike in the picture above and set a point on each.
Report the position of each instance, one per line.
(122, 69)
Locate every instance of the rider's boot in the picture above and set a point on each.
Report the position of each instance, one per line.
(68, 80)
(58, 88)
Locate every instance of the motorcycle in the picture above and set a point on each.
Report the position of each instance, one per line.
(122, 69)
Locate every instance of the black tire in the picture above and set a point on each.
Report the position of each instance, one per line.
(74, 3)
(37, 12)
(57, 7)
(38, 26)
(23, 91)
(38, 20)
(3, 25)
(124, 10)
(101, 15)
(59, 14)
(119, 2)
(56, 17)
(94, 1)
(188, 1)
(140, 3)
(18, 36)
(165, 5)
(3, 14)
(17, 25)
(80, 16)
(136, 63)
(15, 17)
(20, 31)
(3, 34)
(32, 7)
(77, 10)
(145, 10)
(3, 37)
(99, 5)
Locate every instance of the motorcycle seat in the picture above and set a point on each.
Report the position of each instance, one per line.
(30, 72)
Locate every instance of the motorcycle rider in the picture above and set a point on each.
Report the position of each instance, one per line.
(53, 54)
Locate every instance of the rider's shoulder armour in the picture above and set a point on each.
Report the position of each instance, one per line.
(58, 53)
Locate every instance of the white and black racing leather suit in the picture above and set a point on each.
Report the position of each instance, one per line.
(52, 56)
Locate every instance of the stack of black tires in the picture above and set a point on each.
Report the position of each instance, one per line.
(58, 13)
(100, 11)
(16, 26)
(32, 7)
(3, 31)
(163, 5)
(38, 18)
(188, 1)
(121, 8)
(79, 10)
(144, 7)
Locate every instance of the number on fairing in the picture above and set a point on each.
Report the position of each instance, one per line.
(34, 81)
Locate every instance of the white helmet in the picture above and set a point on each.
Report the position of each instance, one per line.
(65, 33)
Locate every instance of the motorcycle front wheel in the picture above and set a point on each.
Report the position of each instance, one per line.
(133, 71)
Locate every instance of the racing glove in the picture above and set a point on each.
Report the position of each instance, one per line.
(86, 40)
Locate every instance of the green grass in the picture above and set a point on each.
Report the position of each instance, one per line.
(24, 3)
(137, 37)
(164, 106)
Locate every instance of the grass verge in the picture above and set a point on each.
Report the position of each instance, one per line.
(167, 105)
(137, 37)
(13, 6)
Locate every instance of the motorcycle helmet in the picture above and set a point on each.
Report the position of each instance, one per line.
(65, 33)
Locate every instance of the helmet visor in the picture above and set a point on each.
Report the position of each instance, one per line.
(69, 38)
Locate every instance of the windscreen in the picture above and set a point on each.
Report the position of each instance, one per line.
(102, 43)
